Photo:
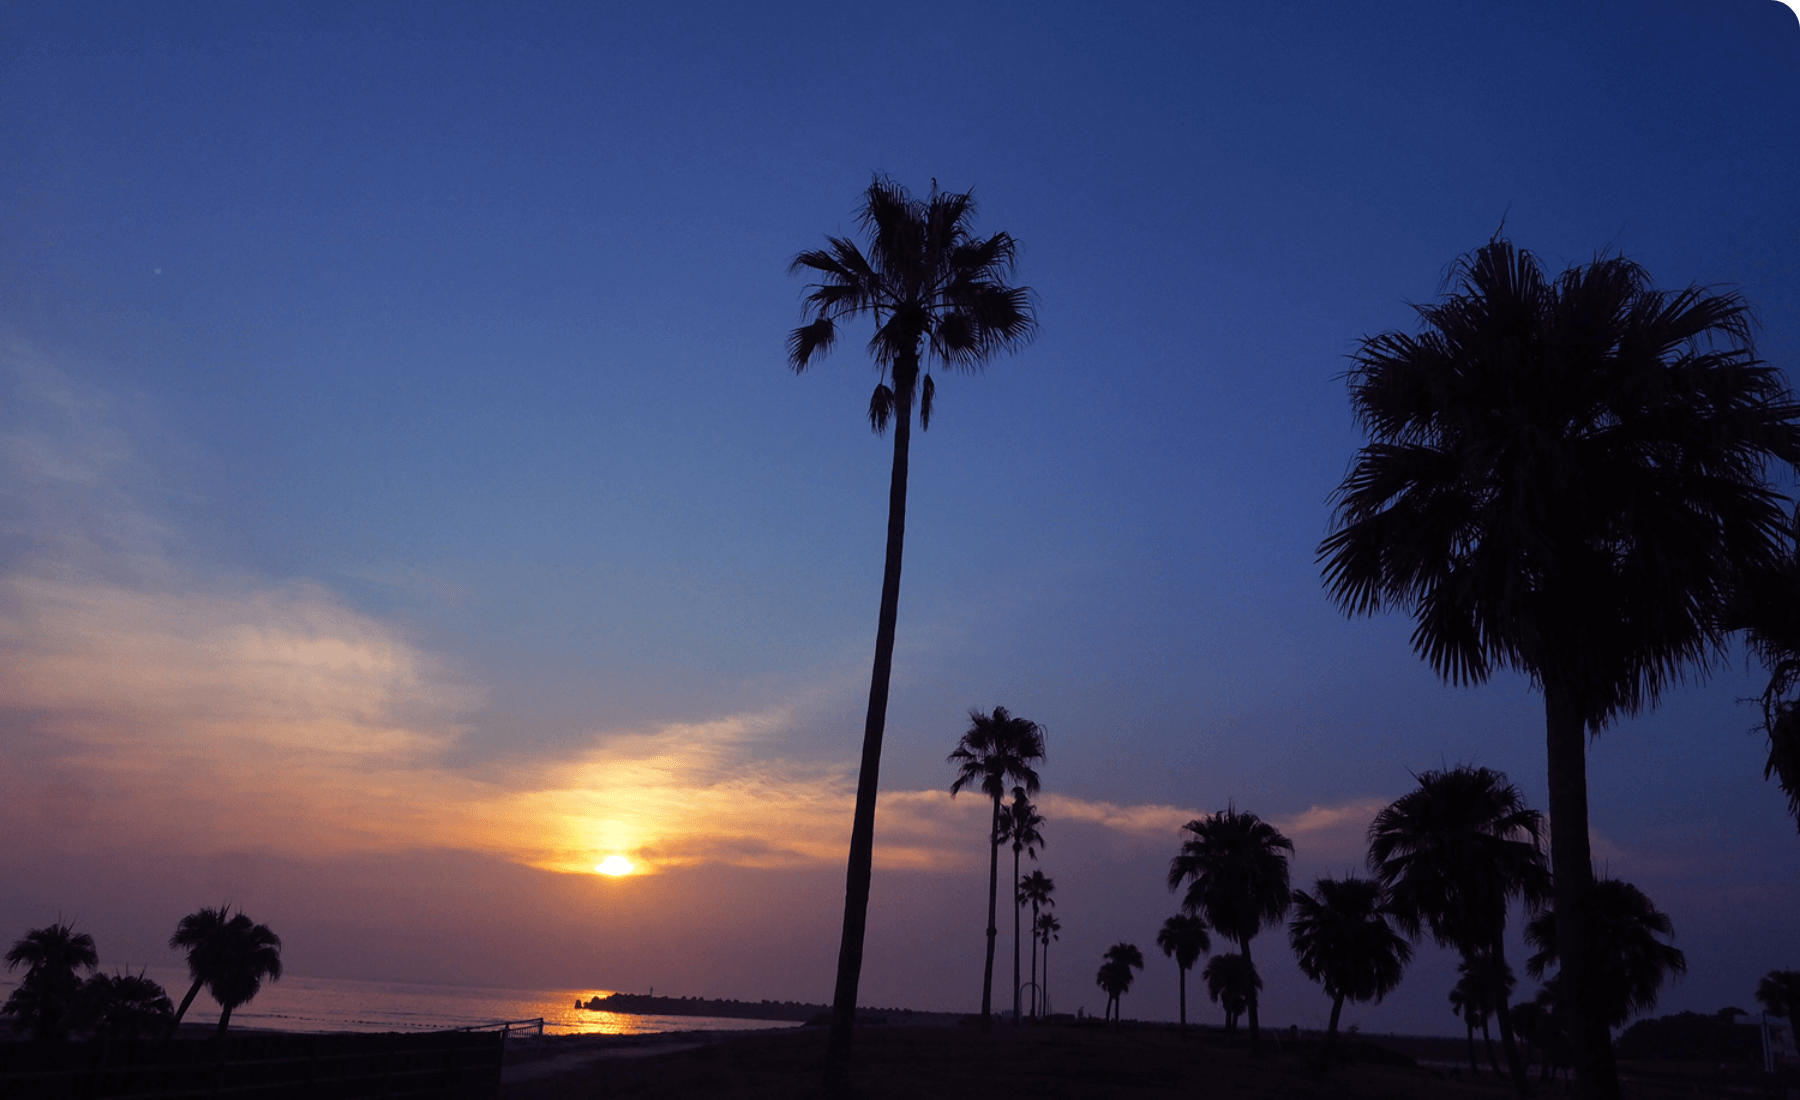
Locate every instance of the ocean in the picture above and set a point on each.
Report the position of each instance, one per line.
(298, 1003)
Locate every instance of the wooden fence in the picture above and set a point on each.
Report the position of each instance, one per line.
(438, 1065)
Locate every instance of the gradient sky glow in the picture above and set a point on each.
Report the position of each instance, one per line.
(404, 503)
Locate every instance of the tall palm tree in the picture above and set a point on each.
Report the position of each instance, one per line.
(997, 751)
(936, 293)
(1232, 983)
(1453, 855)
(1021, 826)
(45, 997)
(1116, 975)
(1183, 937)
(251, 954)
(1779, 992)
(1564, 478)
(1630, 963)
(1342, 939)
(1047, 928)
(1237, 879)
(1037, 889)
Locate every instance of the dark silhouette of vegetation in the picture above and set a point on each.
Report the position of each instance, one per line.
(45, 998)
(1453, 855)
(1020, 826)
(1116, 975)
(996, 752)
(1767, 607)
(1567, 478)
(1484, 986)
(1471, 1004)
(1183, 937)
(1232, 983)
(1047, 928)
(123, 1006)
(230, 955)
(1236, 871)
(1690, 1037)
(1630, 963)
(1779, 993)
(935, 292)
(1342, 940)
(1037, 889)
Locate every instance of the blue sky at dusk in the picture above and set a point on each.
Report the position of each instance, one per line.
(404, 500)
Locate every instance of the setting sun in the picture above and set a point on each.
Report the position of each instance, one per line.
(614, 865)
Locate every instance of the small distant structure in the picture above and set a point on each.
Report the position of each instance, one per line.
(1778, 1047)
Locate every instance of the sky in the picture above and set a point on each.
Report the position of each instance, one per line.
(405, 502)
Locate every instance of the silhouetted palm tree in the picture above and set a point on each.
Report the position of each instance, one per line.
(1630, 963)
(1237, 878)
(996, 752)
(1486, 983)
(1471, 1003)
(935, 292)
(250, 954)
(1036, 888)
(1047, 928)
(202, 934)
(1183, 937)
(1779, 992)
(1341, 937)
(1232, 983)
(45, 997)
(1116, 975)
(1453, 855)
(1021, 826)
(1565, 478)
(124, 1006)
(1768, 608)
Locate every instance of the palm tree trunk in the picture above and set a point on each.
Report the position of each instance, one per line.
(1474, 1066)
(1337, 1007)
(862, 828)
(1596, 1077)
(1183, 979)
(185, 1002)
(1255, 1035)
(1045, 999)
(1487, 1042)
(1515, 1062)
(224, 1020)
(1037, 991)
(1017, 1019)
(987, 977)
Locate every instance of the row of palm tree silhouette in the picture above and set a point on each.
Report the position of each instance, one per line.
(1565, 477)
(227, 953)
(1450, 859)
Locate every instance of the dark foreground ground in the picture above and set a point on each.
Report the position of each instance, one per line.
(902, 1062)
(1034, 1063)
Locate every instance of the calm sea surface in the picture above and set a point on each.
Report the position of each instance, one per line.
(333, 1004)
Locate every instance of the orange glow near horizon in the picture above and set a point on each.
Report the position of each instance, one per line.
(614, 865)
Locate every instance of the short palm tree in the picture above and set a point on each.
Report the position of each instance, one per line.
(46, 996)
(997, 751)
(1471, 1004)
(1779, 993)
(1116, 975)
(1485, 983)
(1036, 889)
(936, 293)
(124, 1006)
(202, 935)
(1631, 963)
(1183, 937)
(1565, 478)
(1047, 928)
(1235, 866)
(251, 954)
(1453, 855)
(1341, 937)
(1232, 983)
(1022, 827)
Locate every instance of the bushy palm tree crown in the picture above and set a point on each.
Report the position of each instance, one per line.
(1633, 963)
(1342, 940)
